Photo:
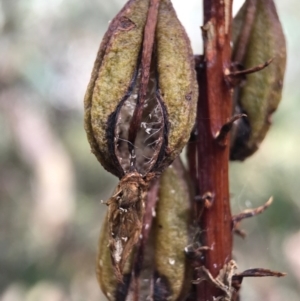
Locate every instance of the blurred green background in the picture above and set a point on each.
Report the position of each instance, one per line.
(51, 185)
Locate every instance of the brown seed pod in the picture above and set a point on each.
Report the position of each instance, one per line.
(257, 37)
(140, 107)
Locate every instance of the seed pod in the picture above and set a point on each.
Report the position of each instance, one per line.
(257, 37)
(170, 106)
(171, 232)
(164, 264)
(140, 107)
(110, 286)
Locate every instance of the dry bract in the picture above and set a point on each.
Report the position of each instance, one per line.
(125, 217)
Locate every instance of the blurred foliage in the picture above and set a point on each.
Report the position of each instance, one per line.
(51, 185)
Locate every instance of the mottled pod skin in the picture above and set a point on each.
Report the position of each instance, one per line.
(260, 95)
(166, 262)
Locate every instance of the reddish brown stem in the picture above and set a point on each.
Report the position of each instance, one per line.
(214, 110)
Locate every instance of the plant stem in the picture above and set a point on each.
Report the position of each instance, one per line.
(214, 110)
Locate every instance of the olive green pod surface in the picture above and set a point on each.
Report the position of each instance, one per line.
(260, 95)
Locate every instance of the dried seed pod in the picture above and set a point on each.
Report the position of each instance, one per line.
(170, 106)
(140, 107)
(257, 37)
(110, 285)
(171, 232)
(164, 263)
